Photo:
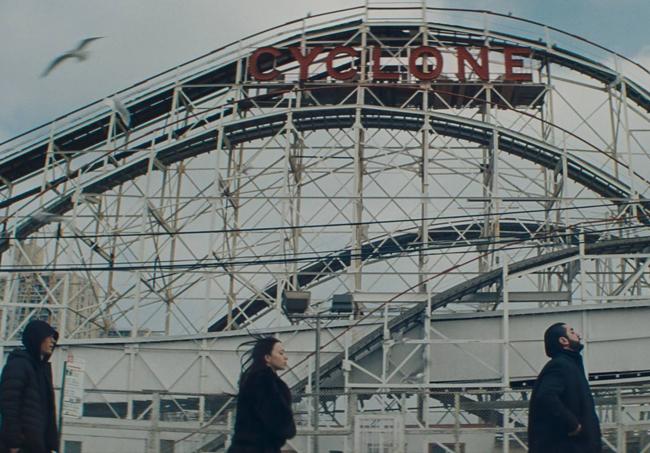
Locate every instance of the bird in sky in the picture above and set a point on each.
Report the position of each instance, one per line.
(46, 217)
(118, 106)
(80, 53)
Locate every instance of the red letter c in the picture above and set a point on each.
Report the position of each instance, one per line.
(253, 68)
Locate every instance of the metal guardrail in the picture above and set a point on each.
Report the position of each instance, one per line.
(481, 421)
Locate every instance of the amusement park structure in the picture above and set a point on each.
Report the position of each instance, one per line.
(438, 184)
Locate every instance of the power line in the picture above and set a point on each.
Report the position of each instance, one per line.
(381, 306)
(322, 256)
(321, 225)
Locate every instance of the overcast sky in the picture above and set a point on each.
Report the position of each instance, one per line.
(145, 37)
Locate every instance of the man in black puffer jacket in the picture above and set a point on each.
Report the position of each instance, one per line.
(27, 395)
(562, 417)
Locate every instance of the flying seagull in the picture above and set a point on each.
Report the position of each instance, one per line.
(46, 217)
(80, 53)
(118, 106)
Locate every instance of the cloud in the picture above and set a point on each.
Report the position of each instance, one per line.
(142, 39)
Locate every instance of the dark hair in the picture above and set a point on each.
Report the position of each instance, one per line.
(551, 338)
(253, 359)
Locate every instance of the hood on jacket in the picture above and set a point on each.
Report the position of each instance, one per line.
(34, 334)
(18, 354)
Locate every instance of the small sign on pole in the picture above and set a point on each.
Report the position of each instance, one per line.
(73, 388)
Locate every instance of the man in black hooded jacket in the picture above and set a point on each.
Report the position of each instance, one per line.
(27, 394)
(562, 417)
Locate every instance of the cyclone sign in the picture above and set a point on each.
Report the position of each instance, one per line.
(425, 63)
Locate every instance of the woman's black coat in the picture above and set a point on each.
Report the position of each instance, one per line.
(561, 400)
(264, 418)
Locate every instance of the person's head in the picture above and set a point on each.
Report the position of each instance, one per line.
(561, 336)
(276, 359)
(266, 352)
(39, 339)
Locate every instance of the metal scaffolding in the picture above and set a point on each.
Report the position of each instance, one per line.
(430, 167)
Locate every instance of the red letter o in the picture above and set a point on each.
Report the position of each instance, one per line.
(425, 51)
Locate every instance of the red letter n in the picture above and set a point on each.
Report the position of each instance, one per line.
(481, 70)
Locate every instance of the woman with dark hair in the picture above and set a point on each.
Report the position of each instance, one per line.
(264, 417)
